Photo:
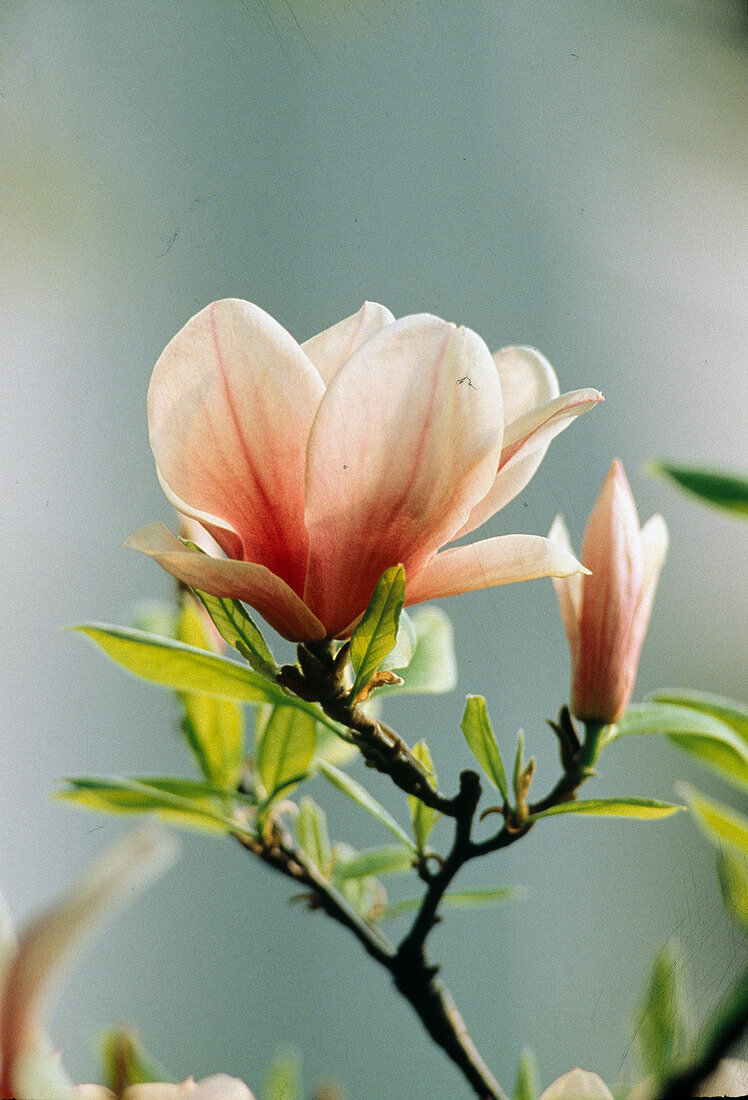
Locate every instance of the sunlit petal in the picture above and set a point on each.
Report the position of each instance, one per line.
(331, 348)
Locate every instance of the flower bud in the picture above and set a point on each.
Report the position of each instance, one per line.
(606, 613)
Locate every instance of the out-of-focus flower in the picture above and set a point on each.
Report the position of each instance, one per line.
(578, 1084)
(730, 1078)
(32, 966)
(606, 613)
(317, 466)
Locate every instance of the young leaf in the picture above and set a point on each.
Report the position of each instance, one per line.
(729, 711)
(644, 808)
(374, 861)
(432, 669)
(376, 634)
(526, 1087)
(184, 802)
(733, 878)
(664, 1033)
(422, 816)
(519, 762)
(721, 824)
(476, 726)
(311, 829)
(126, 1062)
(214, 729)
(283, 1081)
(459, 899)
(362, 797)
(235, 625)
(694, 730)
(332, 748)
(726, 491)
(405, 645)
(285, 749)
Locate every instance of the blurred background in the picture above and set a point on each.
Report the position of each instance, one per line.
(559, 173)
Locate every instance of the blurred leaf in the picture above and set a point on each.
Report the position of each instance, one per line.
(476, 726)
(362, 797)
(422, 816)
(332, 748)
(730, 711)
(376, 634)
(433, 667)
(311, 830)
(155, 617)
(183, 802)
(721, 824)
(664, 1033)
(519, 762)
(283, 1080)
(235, 625)
(375, 861)
(733, 878)
(126, 1062)
(526, 1087)
(459, 899)
(405, 645)
(285, 750)
(183, 668)
(726, 491)
(694, 730)
(612, 807)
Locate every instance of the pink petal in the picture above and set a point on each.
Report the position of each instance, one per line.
(501, 560)
(406, 440)
(653, 540)
(230, 405)
(527, 380)
(525, 442)
(568, 589)
(48, 944)
(331, 348)
(256, 585)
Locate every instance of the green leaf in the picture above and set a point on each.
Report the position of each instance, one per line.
(459, 899)
(476, 726)
(311, 830)
(664, 1032)
(155, 617)
(644, 808)
(422, 816)
(184, 802)
(721, 824)
(733, 878)
(726, 491)
(285, 750)
(433, 667)
(235, 625)
(729, 711)
(332, 748)
(405, 645)
(283, 1080)
(126, 1062)
(526, 1087)
(374, 861)
(183, 668)
(214, 729)
(519, 762)
(362, 797)
(694, 730)
(376, 634)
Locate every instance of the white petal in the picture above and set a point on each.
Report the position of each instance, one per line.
(331, 348)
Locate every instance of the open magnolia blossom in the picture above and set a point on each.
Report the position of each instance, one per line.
(315, 467)
(31, 967)
(606, 613)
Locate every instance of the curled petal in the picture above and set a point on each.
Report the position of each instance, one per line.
(568, 589)
(241, 580)
(331, 348)
(527, 380)
(49, 943)
(525, 442)
(378, 495)
(501, 560)
(230, 405)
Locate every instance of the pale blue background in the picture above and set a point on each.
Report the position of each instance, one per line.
(567, 174)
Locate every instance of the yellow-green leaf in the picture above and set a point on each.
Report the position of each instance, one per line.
(432, 670)
(664, 1032)
(311, 830)
(375, 861)
(721, 824)
(184, 802)
(285, 749)
(644, 808)
(422, 816)
(236, 626)
(733, 877)
(476, 726)
(362, 797)
(376, 634)
(460, 899)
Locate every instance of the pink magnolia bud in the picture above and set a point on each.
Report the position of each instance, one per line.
(606, 613)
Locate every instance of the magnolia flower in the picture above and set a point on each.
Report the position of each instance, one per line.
(31, 967)
(606, 613)
(578, 1084)
(315, 467)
